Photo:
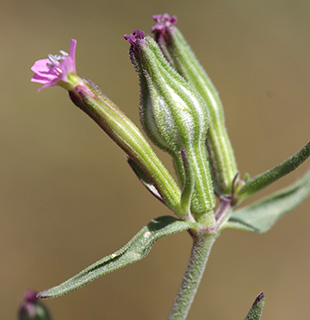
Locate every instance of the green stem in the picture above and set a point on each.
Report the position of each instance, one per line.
(202, 245)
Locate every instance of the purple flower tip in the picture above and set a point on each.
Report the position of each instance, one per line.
(163, 22)
(135, 37)
(30, 296)
(54, 69)
(258, 299)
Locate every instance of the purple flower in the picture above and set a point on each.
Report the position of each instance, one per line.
(136, 36)
(163, 22)
(54, 70)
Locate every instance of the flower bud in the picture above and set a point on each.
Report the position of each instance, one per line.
(32, 309)
(174, 116)
(182, 58)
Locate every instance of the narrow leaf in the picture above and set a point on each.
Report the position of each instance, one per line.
(256, 311)
(265, 179)
(136, 249)
(231, 224)
(263, 214)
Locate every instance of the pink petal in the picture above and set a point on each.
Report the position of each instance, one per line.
(67, 67)
(72, 53)
(42, 73)
(42, 78)
(40, 65)
(49, 84)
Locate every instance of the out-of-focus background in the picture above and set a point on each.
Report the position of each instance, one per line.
(68, 196)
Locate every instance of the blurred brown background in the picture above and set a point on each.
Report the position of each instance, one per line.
(68, 197)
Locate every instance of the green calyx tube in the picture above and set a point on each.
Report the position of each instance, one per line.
(174, 117)
(181, 57)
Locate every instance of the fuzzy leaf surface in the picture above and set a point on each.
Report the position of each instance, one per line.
(263, 214)
(265, 179)
(136, 249)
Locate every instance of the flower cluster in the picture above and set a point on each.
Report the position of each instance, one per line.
(181, 112)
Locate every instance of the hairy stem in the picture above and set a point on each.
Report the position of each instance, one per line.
(202, 245)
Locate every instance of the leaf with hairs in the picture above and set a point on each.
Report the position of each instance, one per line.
(136, 249)
(263, 214)
(265, 179)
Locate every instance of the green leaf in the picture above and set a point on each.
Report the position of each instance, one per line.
(265, 179)
(256, 311)
(136, 249)
(263, 214)
(231, 224)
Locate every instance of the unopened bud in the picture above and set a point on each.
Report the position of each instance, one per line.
(182, 58)
(32, 309)
(173, 115)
